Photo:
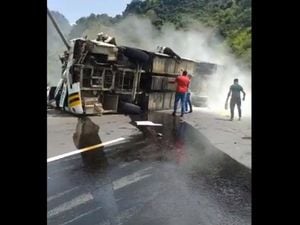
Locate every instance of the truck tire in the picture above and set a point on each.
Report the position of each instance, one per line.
(135, 55)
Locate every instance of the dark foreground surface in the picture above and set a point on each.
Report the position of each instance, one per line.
(166, 175)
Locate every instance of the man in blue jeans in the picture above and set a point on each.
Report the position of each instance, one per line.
(182, 86)
(188, 98)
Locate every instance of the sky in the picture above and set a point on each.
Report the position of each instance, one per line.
(74, 9)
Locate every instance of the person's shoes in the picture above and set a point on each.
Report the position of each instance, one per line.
(231, 119)
(181, 115)
(239, 118)
(173, 114)
(190, 111)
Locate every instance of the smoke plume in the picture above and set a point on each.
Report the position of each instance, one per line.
(196, 42)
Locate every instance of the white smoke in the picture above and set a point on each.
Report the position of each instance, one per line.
(219, 87)
(198, 43)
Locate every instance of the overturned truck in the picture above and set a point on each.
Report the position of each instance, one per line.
(99, 77)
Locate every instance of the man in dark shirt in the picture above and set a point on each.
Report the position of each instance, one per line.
(235, 90)
(64, 60)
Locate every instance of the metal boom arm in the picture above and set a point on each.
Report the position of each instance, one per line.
(58, 30)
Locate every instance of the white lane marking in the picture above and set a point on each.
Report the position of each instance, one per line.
(82, 215)
(84, 149)
(61, 194)
(132, 178)
(69, 205)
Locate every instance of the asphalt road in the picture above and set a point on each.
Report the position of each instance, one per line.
(159, 175)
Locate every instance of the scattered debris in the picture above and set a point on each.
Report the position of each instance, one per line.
(147, 123)
(159, 134)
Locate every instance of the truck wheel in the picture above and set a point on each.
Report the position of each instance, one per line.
(129, 108)
(135, 55)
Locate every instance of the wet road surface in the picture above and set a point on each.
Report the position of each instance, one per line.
(175, 178)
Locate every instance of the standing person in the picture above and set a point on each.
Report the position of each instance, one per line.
(235, 90)
(64, 60)
(181, 89)
(188, 97)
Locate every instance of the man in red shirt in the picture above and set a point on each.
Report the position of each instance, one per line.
(182, 87)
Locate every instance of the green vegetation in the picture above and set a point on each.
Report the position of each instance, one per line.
(230, 18)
